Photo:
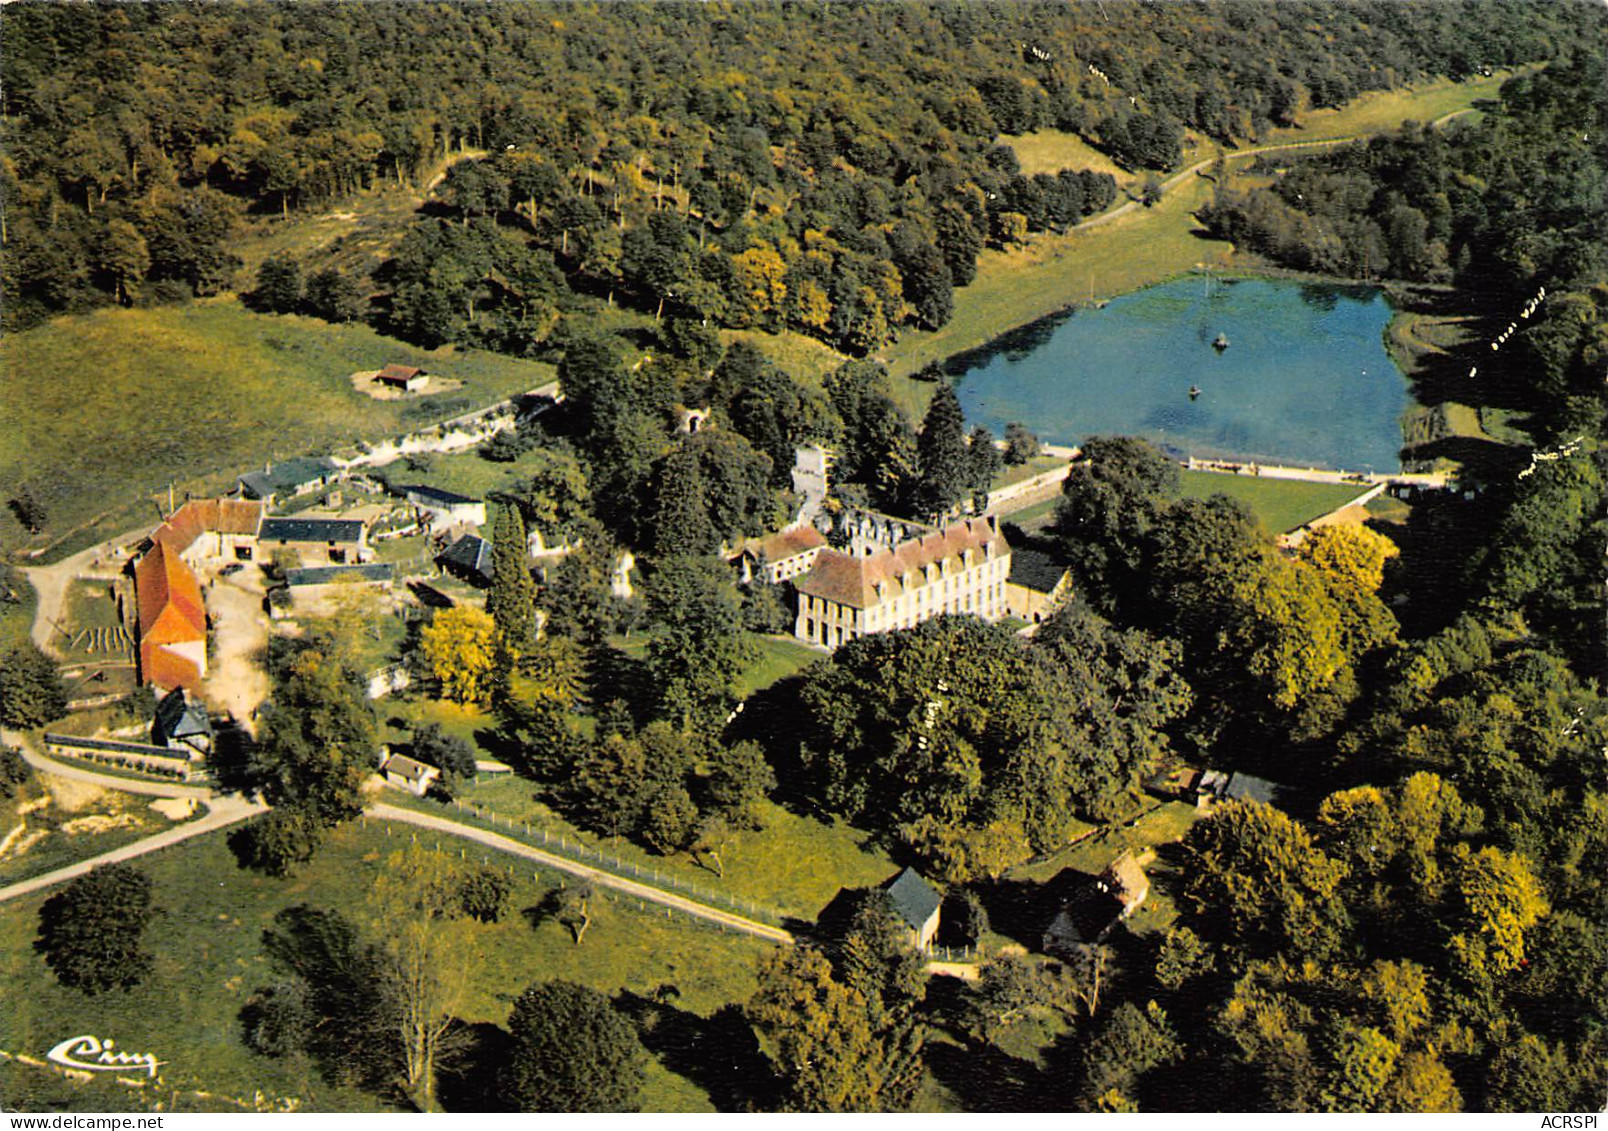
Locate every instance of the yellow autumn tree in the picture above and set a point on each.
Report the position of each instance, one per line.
(1351, 553)
(759, 273)
(460, 645)
(1501, 900)
(812, 308)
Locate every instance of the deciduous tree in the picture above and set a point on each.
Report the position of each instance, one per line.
(572, 1052)
(460, 645)
(91, 933)
(31, 693)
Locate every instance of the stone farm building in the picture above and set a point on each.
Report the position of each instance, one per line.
(211, 529)
(468, 559)
(871, 588)
(172, 620)
(406, 378)
(439, 509)
(287, 480)
(319, 541)
(311, 587)
(182, 723)
(1037, 585)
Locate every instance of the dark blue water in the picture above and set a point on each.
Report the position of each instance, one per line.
(1305, 379)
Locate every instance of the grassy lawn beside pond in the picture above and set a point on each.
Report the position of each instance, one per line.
(1280, 504)
(209, 960)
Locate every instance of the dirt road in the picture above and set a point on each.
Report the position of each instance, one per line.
(605, 879)
(221, 813)
(237, 682)
(50, 583)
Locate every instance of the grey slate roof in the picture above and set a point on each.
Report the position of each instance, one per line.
(323, 575)
(1035, 570)
(177, 717)
(409, 768)
(310, 530)
(1084, 919)
(288, 475)
(436, 495)
(913, 898)
(1244, 787)
(470, 555)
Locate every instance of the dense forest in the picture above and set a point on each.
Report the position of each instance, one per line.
(832, 168)
(1419, 924)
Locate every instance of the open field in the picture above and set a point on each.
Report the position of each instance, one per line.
(17, 606)
(465, 473)
(209, 960)
(1050, 151)
(1146, 246)
(776, 658)
(1280, 504)
(793, 866)
(121, 402)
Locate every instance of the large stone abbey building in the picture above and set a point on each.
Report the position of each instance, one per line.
(896, 574)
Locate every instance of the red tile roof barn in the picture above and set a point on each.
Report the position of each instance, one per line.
(171, 612)
(169, 598)
(196, 517)
(398, 374)
(850, 580)
(167, 668)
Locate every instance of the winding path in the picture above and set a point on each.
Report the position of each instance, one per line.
(604, 879)
(222, 811)
(226, 810)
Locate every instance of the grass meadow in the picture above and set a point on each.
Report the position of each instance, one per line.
(120, 403)
(207, 941)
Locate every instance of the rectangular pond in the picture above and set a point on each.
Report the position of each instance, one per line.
(1304, 378)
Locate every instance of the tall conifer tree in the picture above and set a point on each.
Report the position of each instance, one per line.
(941, 454)
(512, 600)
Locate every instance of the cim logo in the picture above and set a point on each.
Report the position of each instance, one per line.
(91, 1054)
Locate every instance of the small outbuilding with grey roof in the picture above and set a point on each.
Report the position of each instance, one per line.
(181, 721)
(468, 559)
(410, 774)
(444, 508)
(916, 903)
(300, 476)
